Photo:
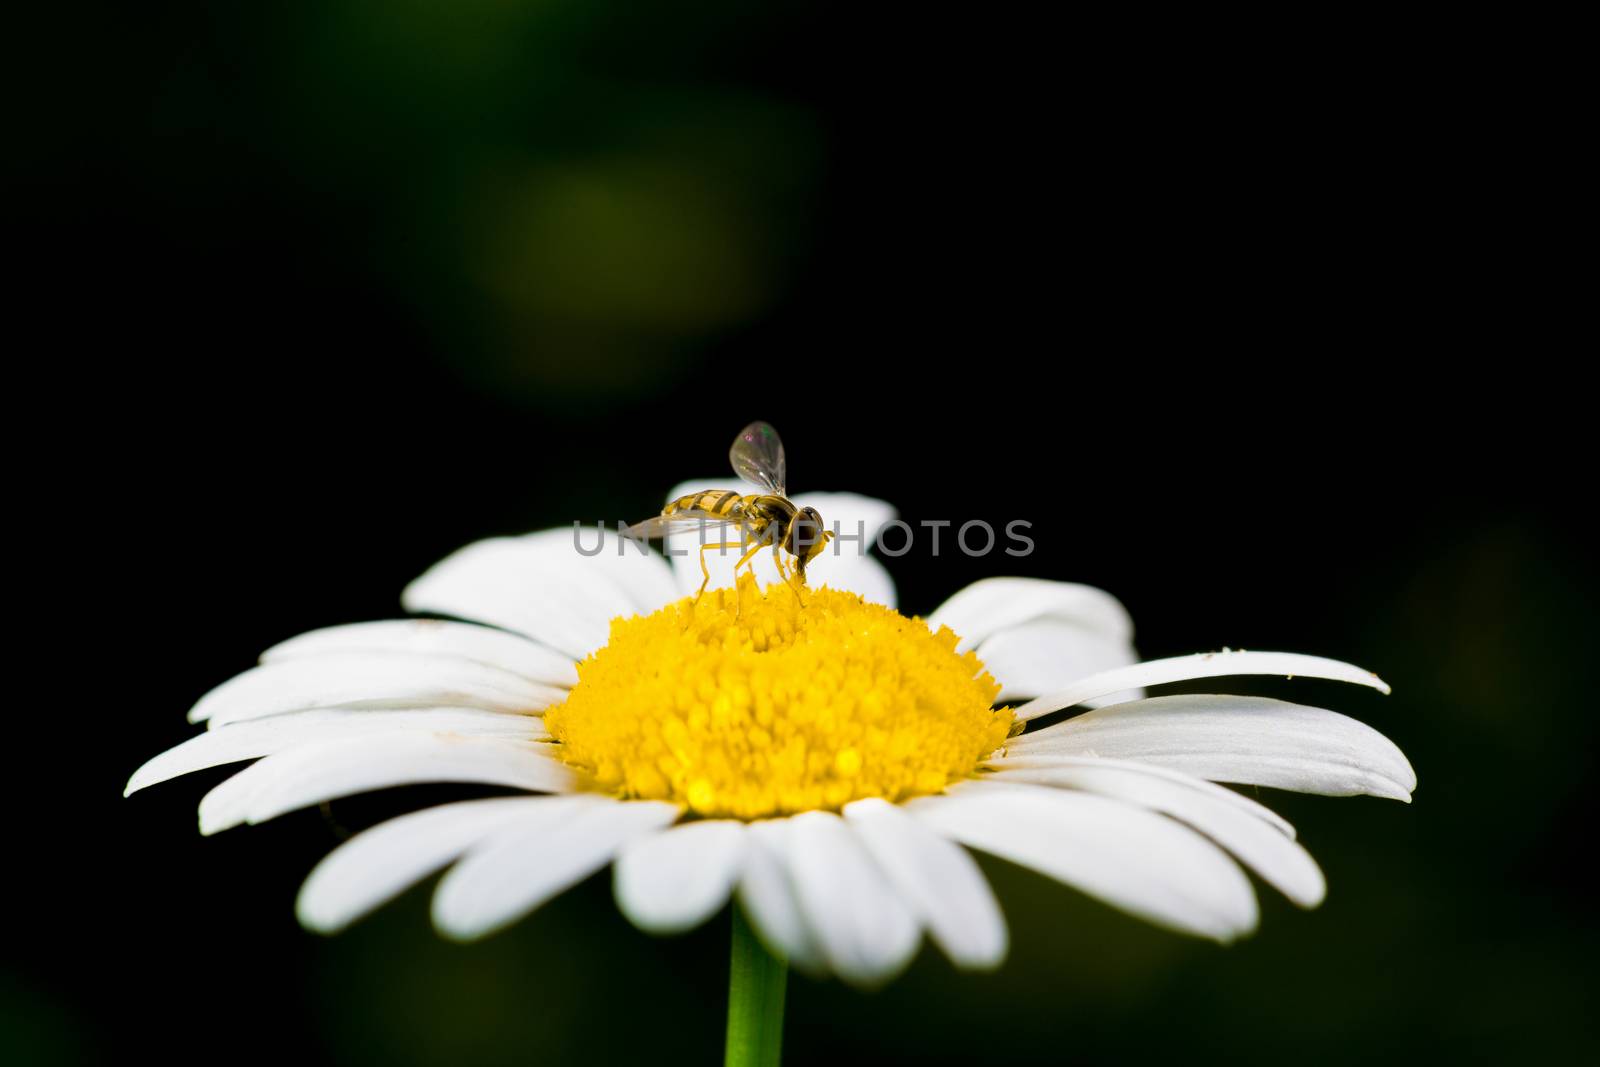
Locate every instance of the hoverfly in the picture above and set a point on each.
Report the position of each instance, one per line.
(765, 518)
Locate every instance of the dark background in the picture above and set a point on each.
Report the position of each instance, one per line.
(1263, 326)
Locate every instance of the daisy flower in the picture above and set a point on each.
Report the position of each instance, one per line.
(827, 765)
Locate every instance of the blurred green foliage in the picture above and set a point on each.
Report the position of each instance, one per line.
(574, 214)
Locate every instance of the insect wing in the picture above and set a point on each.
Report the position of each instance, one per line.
(680, 522)
(757, 457)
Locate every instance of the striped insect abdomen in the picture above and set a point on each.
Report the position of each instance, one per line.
(723, 503)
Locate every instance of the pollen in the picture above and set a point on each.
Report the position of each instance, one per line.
(750, 704)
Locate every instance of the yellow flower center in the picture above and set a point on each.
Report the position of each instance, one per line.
(749, 704)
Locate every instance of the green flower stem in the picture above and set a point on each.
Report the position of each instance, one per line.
(756, 980)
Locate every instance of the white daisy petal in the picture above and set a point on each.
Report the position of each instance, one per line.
(542, 586)
(311, 774)
(1045, 655)
(514, 873)
(370, 680)
(850, 573)
(435, 637)
(378, 864)
(640, 575)
(1143, 863)
(262, 737)
(991, 605)
(867, 933)
(673, 881)
(1246, 740)
(1204, 665)
(1214, 811)
(1042, 770)
(938, 879)
(767, 895)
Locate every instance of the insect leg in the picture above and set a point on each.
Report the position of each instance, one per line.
(737, 600)
(706, 571)
(746, 557)
(789, 579)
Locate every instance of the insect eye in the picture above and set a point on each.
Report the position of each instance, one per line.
(808, 531)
